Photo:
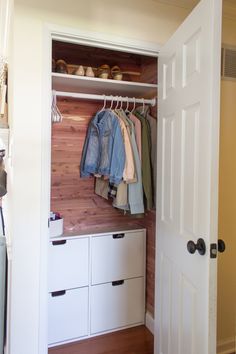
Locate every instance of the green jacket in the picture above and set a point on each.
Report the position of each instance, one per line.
(146, 161)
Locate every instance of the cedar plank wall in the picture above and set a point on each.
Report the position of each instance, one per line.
(74, 198)
(90, 56)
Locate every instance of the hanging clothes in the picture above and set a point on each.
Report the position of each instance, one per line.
(138, 133)
(102, 187)
(146, 161)
(121, 200)
(117, 151)
(153, 127)
(135, 191)
(104, 151)
(129, 174)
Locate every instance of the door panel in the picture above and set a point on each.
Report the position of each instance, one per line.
(190, 170)
(187, 182)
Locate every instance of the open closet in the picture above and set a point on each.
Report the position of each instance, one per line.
(81, 287)
(101, 269)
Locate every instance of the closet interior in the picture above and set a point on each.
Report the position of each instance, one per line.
(105, 259)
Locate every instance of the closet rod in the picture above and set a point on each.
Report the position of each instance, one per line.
(88, 96)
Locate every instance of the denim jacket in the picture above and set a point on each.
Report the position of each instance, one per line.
(103, 151)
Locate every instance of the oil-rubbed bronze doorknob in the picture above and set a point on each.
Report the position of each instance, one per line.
(200, 246)
(221, 246)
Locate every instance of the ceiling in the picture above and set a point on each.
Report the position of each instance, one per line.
(229, 6)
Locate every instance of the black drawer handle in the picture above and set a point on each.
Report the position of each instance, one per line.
(56, 243)
(58, 293)
(117, 282)
(118, 236)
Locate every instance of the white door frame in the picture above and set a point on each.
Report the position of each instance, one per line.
(76, 36)
(6, 9)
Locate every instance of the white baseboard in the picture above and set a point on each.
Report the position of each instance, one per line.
(149, 322)
(226, 346)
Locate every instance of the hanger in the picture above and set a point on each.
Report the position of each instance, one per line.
(55, 117)
(127, 105)
(134, 105)
(143, 110)
(104, 103)
(55, 112)
(117, 103)
(121, 103)
(112, 100)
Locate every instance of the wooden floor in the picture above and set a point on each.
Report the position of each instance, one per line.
(137, 340)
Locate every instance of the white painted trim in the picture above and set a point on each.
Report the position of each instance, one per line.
(45, 191)
(216, 18)
(6, 9)
(102, 40)
(150, 322)
(9, 286)
(226, 346)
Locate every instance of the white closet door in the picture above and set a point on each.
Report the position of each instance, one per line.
(189, 86)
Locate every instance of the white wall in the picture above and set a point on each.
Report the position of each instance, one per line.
(139, 19)
(145, 20)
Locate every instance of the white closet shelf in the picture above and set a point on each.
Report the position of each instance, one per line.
(84, 84)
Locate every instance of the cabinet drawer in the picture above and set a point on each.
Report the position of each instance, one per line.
(118, 256)
(115, 306)
(67, 315)
(68, 264)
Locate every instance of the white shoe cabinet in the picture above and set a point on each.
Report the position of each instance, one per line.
(96, 284)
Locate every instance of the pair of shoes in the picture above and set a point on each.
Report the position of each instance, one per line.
(80, 71)
(104, 71)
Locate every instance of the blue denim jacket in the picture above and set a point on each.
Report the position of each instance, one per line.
(104, 151)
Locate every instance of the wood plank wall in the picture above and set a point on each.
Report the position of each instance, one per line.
(74, 198)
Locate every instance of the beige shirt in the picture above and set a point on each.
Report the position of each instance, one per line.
(129, 174)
